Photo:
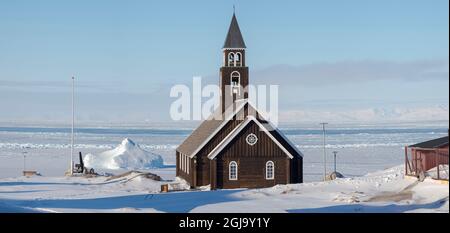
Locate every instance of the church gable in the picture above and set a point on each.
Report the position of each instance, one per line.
(253, 124)
(273, 130)
(252, 142)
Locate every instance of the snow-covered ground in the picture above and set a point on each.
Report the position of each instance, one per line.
(383, 191)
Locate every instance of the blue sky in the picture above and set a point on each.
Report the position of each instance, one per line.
(133, 51)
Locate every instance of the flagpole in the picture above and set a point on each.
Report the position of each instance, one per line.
(73, 123)
(324, 152)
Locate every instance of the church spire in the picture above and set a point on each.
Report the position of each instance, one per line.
(234, 38)
(234, 73)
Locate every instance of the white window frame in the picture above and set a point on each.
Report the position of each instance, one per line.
(233, 86)
(229, 170)
(236, 56)
(267, 170)
(180, 161)
(250, 135)
(188, 164)
(184, 163)
(231, 61)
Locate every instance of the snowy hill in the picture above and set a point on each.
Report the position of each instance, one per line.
(127, 155)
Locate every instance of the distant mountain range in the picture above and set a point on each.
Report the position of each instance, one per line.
(397, 114)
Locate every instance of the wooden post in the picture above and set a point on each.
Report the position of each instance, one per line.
(406, 160)
(414, 160)
(436, 153)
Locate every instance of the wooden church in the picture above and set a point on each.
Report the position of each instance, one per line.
(236, 147)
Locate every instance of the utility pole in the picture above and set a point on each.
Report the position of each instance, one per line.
(335, 153)
(73, 123)
(324, 152)
(24, 158)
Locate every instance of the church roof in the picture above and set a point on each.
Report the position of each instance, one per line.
(234, 37)
(201, 134)
(210, 127)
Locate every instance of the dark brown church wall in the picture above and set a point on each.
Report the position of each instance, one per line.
(252, 161)
(177, 159)
(213, 173)
(184, 174)
(203, 171)
(203, 162)
(286, 170)
(297, 170)
(226, 75)
(225, 80)
(296, 165)
(300, 170)
(251, 172)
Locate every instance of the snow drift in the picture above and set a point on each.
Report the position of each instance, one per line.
(127, 155)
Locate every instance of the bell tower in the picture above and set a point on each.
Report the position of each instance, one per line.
(233, 73)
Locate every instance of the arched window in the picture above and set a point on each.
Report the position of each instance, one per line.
(235, 81)
(231, 59)
(233, 171)
(238, 59)
(270, 168)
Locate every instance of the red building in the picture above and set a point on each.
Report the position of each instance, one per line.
(421, 157)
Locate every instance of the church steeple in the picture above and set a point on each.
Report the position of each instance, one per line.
(234, 38)
(233, 74)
